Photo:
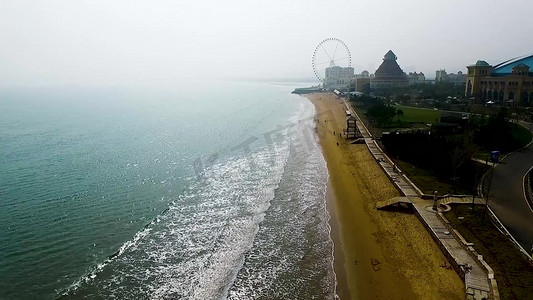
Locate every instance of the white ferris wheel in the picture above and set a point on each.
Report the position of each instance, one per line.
(330, 52)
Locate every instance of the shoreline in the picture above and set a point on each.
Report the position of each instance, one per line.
(341, 290)
(377, 254)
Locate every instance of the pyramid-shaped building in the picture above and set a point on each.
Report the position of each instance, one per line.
(389, 74)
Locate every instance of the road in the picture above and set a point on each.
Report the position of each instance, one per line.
(507, 198)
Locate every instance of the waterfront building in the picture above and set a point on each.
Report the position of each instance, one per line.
(458, 78)
(363, 74)
(389, 74)
(441, 75)
(362, 82)
(338, 77)
(510, 82)
(416, 78)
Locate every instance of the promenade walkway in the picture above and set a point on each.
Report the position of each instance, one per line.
(477, 275)
(469, 268)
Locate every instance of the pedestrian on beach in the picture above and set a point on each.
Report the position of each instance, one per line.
(337, 143)
(334, 132)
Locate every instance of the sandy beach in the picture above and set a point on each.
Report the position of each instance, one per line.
(378, 254)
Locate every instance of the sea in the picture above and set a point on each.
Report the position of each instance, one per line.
(204, 190)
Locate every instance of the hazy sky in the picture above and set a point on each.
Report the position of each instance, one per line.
(161, 42)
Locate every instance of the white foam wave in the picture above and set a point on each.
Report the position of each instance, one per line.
(206, 245)
(198, 245)
(93, 272)
(293, 251)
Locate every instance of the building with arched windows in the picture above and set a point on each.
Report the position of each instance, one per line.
(510, 82)
(338, 77)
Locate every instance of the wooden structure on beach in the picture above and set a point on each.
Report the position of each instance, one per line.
(351, 131)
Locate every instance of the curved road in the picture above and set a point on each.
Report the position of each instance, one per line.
(507, 198)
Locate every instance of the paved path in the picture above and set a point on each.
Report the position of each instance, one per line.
(507, 198)
(400, 180)
(476, 276)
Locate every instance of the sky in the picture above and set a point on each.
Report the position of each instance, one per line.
(159, 42)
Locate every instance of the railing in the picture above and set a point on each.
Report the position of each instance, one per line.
(527, 189)
(496, 221)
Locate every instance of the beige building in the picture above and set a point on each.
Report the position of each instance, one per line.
(510, 82)
(416, 78)
(338, 77)
(441, 75)
(362, 81)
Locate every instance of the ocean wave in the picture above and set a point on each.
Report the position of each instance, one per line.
(249, 226)
(292, 255)
(198, 245)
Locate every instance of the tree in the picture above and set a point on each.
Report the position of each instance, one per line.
(399, 113)
(381, 114)
(461, 153)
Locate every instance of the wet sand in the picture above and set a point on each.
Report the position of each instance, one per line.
(378, 254)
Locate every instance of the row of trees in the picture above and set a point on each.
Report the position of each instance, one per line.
(496, 133)
(449, 155)
(382, 115)
(446, 156)
(377, 111)
(439, 91)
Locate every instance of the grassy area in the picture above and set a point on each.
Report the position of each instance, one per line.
(521, 135)
(425, 180)
(373, 130)
(429, 182)
(413, 114)
(513, 272)
(506, 137)
(483, 155)
(519, 138)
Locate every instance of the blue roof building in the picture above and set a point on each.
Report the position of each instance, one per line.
(510, 82)
(506, 67)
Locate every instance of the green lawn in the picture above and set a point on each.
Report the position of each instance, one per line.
(429, 182)
(521, 135)
(375, 131)
(413, 114)
(512, 270)
(424, 180)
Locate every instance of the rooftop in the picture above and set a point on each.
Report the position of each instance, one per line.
(506, 67)
(521, 65)
(390, 56)
(389, 66)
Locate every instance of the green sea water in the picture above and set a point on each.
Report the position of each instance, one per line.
(192, 192)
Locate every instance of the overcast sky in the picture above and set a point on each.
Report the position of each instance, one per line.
(159, 42)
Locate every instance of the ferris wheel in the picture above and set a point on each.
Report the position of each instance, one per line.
(330, 52)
